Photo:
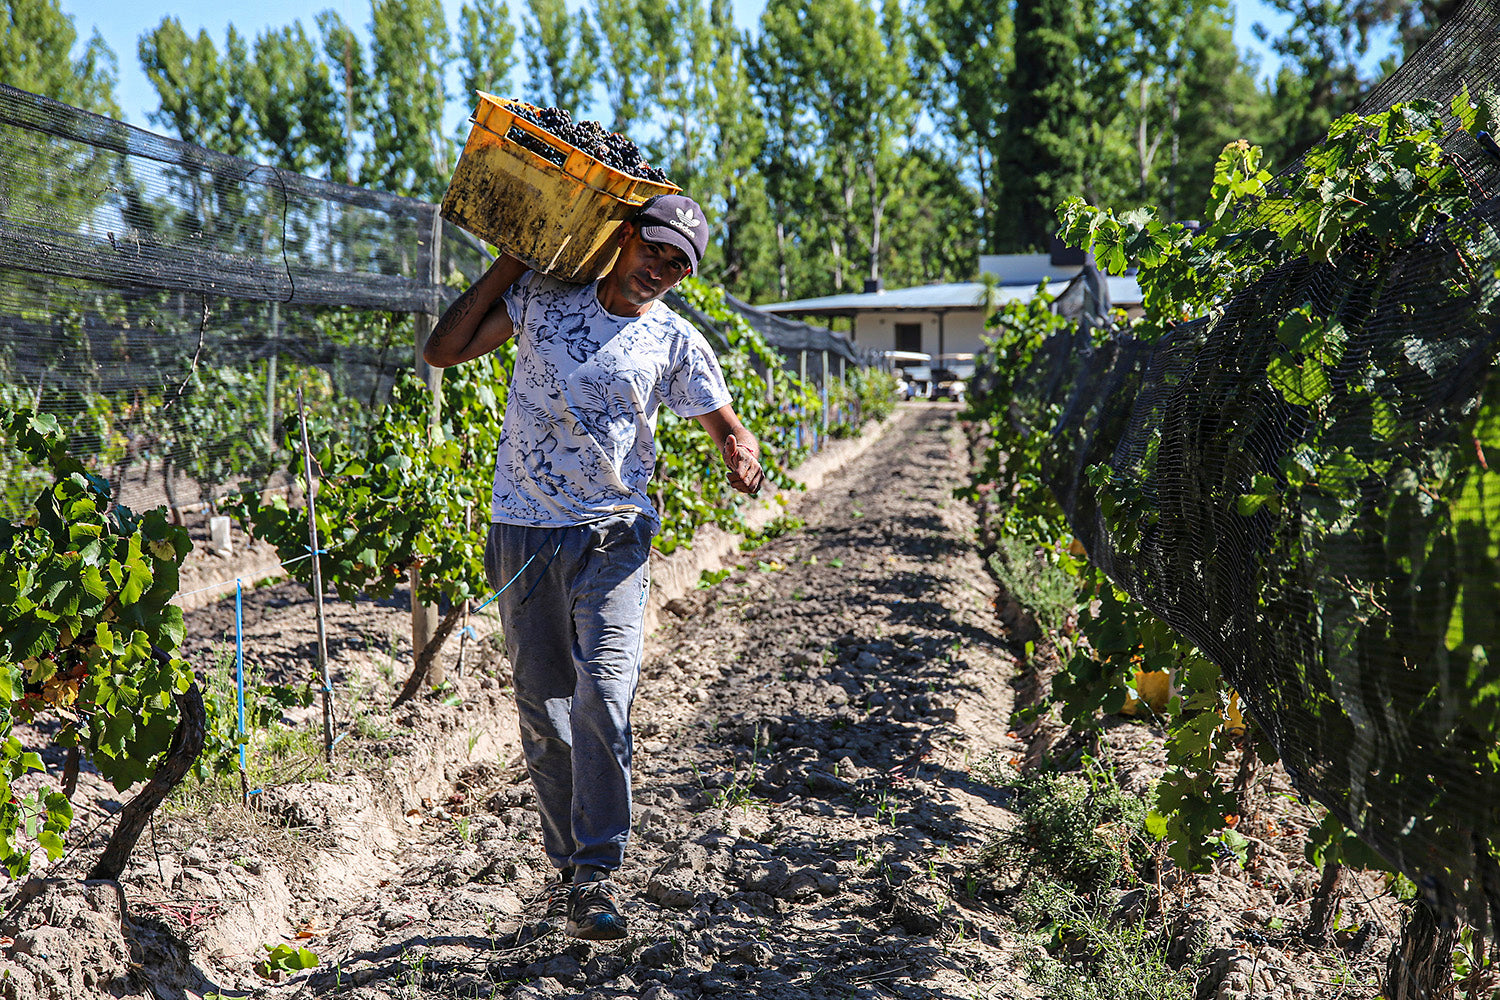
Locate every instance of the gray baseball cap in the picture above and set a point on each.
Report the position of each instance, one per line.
(677, 220)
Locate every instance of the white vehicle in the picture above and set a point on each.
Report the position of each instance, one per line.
(951, 374)
(913, 374)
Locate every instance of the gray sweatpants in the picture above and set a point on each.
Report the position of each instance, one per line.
(574, 623)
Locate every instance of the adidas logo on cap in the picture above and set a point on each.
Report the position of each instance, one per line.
(678, 220)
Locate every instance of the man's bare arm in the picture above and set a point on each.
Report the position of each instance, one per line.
(477, 321)
(740, 449)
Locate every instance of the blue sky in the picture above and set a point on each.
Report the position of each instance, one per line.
(122, 22)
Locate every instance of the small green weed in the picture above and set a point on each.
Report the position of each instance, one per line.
(1081, 831)
(1089, 956)
(783, 524)
(1035, 581)
(264, 705)
(709, 577)
(274, 756)
(284, 958)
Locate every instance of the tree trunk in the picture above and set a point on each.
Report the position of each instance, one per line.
(186, 745)
(429, 653)
(781, 270)
(70, 772)
(877, 218)
(1324, 903)
(1244, 779)
(1420, 967)
(1143, 162)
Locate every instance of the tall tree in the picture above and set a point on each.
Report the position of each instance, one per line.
(889, 114)
(37, 42)
(1320, 78)
(39, 53)
(1217, 101)
(1164, 89)
(683, 92)
(962, 60)
(784, 161)
(643, 43)
(344, 55)
(1324, 51)
(409, 56)
(486, 47)
(838, 74)
(1045, 139)
(292, 103)
(726, 179)
(938, 240)
(562, 54)
(197, 88)
(1414, 23)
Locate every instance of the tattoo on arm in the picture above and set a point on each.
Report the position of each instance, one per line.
(454, 314)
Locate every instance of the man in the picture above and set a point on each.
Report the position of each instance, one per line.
(572, 519)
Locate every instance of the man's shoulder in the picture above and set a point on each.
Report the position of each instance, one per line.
(545, 284)
(671, 321)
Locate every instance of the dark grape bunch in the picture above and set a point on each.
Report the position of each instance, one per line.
(609, 148)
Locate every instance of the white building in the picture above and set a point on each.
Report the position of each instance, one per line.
(949, 318)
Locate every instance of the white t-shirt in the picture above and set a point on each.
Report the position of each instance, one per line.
(579, 440)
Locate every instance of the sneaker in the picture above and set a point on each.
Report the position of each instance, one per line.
(592, 913)
(555, 899)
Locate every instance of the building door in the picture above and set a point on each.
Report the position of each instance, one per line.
(909, 337)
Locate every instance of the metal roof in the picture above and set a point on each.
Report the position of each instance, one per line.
(1123, 291)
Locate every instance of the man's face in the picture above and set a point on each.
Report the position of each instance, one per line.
(646, 271)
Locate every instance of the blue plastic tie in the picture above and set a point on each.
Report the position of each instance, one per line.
(522, 570)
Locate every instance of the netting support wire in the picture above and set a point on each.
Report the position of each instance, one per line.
(239, 683)
(317, 582)
(197, 352)
(843, 394)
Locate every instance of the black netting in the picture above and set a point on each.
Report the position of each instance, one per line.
(166, 302)
(1359, 615)
(789, 335)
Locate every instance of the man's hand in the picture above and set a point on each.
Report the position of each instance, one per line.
(745, 473)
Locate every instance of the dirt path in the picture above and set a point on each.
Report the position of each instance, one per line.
(813, 735)
(805, 732)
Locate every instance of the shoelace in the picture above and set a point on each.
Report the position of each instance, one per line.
(592, 894)
(557, 899)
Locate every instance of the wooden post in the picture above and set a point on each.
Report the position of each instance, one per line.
(802, 376)
(424, 617)
(844, 388)
(317, 585)
(463, 634)
(271, 374)
(823, 391)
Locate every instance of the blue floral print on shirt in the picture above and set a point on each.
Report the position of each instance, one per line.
(579, 435)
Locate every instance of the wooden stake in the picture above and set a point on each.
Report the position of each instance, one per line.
(463, 635)
(317, 575)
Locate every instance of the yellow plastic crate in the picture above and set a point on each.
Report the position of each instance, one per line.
(561, 220)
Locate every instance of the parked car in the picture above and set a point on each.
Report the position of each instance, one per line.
(951, 374)
(913, 374)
